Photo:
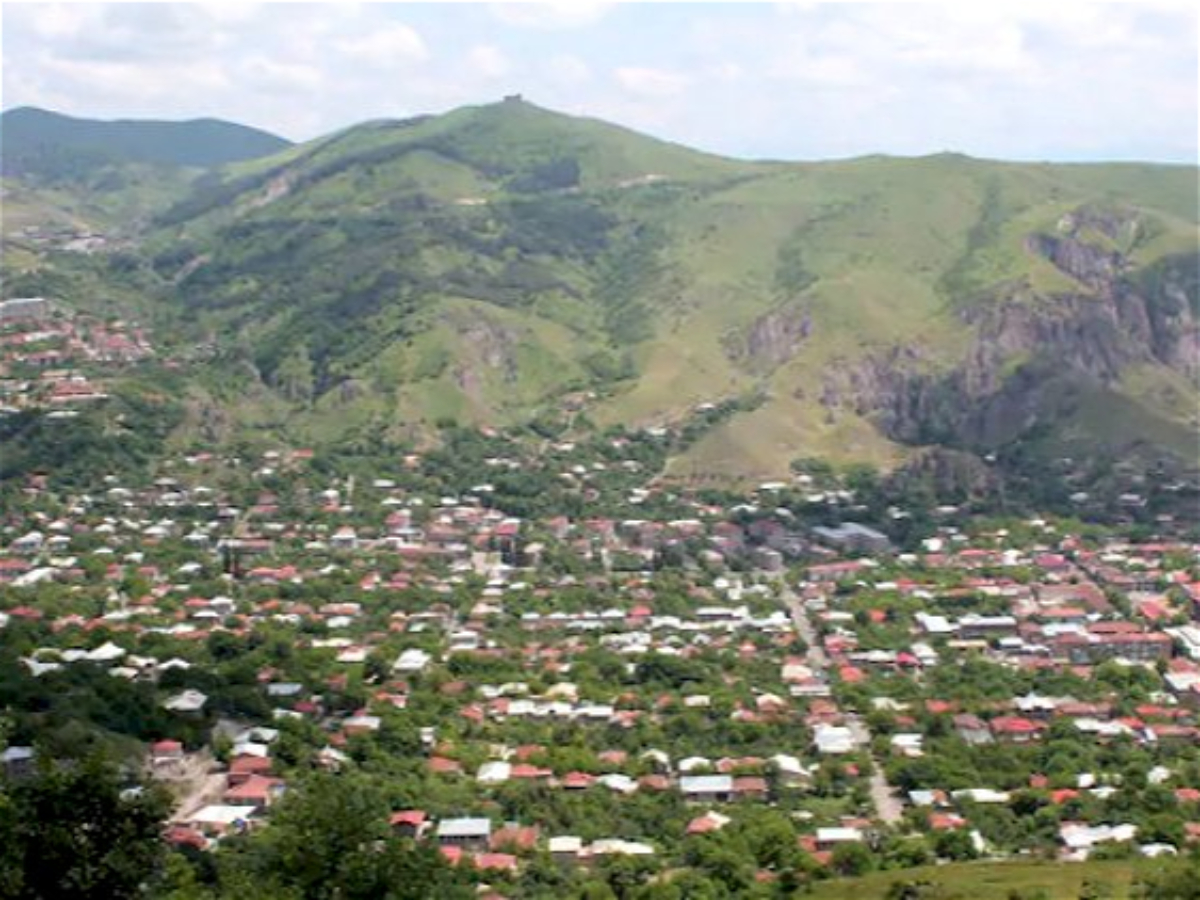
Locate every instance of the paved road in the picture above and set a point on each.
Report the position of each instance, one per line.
(816, 653)
(888, 808)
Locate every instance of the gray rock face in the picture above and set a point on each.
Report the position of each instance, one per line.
(771, 340)
(1030, 355)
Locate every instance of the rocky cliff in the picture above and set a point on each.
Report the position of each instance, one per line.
(1031, 355)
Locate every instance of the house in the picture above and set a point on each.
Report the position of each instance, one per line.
(972, 729)
(706, 788)
(833, 740)
(494, 772)
(1016, 729)
(973, 626)
(412, 662)
(17, 762)
(220, 819)
(465, 833)
(165, 753)
(244, 767)
(565, 847)
(515, 838)
(496, 862)
(1095, 647)
(1080, 839)
(29, 544)
(750, 787)
(257, 792)
(829, 838)
(411, 823)
(189, 702)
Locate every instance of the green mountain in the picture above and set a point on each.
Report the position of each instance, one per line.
(482, 265)
(36, 143)
(63, 174)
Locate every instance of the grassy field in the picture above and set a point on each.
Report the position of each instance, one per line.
(993, 881)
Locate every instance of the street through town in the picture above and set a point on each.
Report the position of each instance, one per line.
(888, 807)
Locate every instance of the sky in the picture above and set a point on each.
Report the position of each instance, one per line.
(1001, 79)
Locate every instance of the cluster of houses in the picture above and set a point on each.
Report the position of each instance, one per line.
(416, 588)
(51, 357)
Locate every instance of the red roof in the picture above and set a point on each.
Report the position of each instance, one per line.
(524, 770)
(249, 765)
(182, 836)
(515, 837)
(504, 861)
(945, 821)
(1015, 725)
(413, 817)
(703, 825)
(256, 787)
(851, 675)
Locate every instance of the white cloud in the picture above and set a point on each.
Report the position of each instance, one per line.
(551, 14)
(55, 21)
(649, 82)
(282, 77)
(391, 45)
(489, 61)
(801, 79)
(568, 70)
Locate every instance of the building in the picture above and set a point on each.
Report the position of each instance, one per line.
(22, 309)
(853, 537)
(466, 833)
(1137, 646)
(706, 788)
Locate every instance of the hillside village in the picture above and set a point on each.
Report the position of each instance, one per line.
(573, 686)
(56, 360)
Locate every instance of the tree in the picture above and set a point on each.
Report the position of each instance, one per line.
(329, 839)
(1176, 882)
(955, 844)
(851, 858)
(72, 832)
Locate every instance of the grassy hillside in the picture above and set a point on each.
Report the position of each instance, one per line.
(993, 881)
(478, 265)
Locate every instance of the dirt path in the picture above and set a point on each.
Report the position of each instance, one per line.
(195, 782)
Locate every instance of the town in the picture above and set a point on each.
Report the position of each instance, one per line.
(552, 663)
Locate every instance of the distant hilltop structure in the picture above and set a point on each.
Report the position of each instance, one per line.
(25, 308)
(513, 98)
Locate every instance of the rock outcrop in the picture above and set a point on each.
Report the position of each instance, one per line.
(1030, 355)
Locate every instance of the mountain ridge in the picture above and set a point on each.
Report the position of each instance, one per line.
(26, 133)
(480, 265)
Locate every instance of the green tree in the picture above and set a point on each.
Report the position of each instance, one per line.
(852, 858)
(329, 839)
(72, 832)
